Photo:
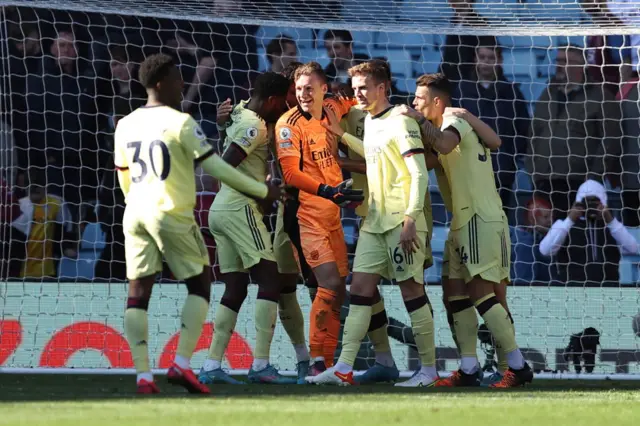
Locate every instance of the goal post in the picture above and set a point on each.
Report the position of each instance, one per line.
(64, 313)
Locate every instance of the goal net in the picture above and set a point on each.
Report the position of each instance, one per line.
(556, 79)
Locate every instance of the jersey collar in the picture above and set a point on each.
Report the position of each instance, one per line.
(380, 114)
(308, 116)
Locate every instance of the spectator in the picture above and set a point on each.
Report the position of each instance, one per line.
(8, 157)
(575, 134)
(587, 244)
(528, 264)
(46, 221)
(628, 13)
(631, 157)
(281, 51)
(339, 46)
(126, 94)
(12, 240)
(25, 81)
(488, 94)
(70, 120)
(458, 54)
(609, 57)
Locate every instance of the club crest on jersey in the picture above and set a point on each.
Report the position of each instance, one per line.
(244, 142)
(198, 133)
(252, 133)
(285, 133)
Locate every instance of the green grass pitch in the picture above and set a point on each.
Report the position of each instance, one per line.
(69, 400)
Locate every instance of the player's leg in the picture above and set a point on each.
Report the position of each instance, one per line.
(500, 291)
(183, 248)
(371, 262)
(339, 248)
(288, 307)
(384, 369)
(265, 273)
(235, 293)
(487, 269)
(317, 250)
(143, 261)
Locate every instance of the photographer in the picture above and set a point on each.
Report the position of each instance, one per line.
(592, 251)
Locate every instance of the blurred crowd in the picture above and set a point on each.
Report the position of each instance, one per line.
(69, 77)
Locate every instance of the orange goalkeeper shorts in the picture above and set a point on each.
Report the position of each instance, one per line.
(320, 246)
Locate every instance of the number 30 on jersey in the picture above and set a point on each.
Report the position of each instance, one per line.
(161, 171)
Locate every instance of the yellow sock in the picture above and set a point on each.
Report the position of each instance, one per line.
(465, 324)
(266, 315)
(194, 313)
(423, 332)
(291, 317)
(503, 365)
(224, 324)
(136, 328)
(378, 328)
(498, 322)
(355, 328)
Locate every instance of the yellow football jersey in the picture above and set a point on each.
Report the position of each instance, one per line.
(391, 144)
(159, 146)
(353, 123)
(249, 132)
(443, 186)
(470, 174)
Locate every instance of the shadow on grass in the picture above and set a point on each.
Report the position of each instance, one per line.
(78, 388)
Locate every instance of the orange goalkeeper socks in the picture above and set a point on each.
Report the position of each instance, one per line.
(320, 321)
(331, 341)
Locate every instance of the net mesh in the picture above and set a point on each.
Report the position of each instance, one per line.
(68, 71)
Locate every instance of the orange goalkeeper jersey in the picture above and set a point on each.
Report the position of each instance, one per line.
(308, 153)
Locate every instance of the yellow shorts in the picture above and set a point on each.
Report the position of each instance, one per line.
(242, 239)
(178, 239)
(480, 248)
(282, 247)
(428, 215)
(445, 259)
(381, 254)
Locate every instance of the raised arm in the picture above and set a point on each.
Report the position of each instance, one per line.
(486, 134)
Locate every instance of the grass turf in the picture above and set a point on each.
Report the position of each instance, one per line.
(92, 400)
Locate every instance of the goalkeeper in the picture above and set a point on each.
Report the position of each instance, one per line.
(307, 154)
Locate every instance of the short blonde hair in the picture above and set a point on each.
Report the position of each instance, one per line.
(310, 68)
(376, 69)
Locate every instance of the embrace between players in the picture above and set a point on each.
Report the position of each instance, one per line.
(156, 147)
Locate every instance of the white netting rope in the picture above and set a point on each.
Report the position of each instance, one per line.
(109, 48)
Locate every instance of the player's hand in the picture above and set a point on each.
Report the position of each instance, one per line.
(224, 112)
(457, 112)
(332, 124)
(577, 211)
(409, 236)
(342, 194)
(407, 111)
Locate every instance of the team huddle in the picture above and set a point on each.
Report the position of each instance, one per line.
(313, 138)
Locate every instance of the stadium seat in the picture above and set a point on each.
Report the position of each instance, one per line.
(526, 42)
(428, 63)
(318, 55)
(574, 40)
(399, 60)
(440, 234)
(629, 270)
(92, 237)
(302, 36)
(81, 268)
(409, 41)
(519, 63)
(263, 62)
(406, 85)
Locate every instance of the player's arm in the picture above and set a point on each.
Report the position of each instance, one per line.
(485, 133)
(442, 141)
(412, 150)
(195, 142)
(121, 164)
(243, 141)
(410, 145)
(353, 166)
(223, 114)
(333, 126)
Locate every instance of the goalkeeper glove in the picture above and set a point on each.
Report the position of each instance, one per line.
(342, 194)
